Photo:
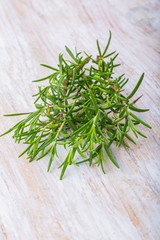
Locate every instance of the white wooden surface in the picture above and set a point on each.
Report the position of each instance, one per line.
(124, 203)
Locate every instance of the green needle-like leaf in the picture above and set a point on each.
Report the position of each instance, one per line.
(138, 109)
(42, 79)
(93, 100)
(110, 156)
(16, 114)
(47, 66)
(70, 53)
(137, 86)
(99, 50)
(140, 120)
(63, 169)
(106, 48)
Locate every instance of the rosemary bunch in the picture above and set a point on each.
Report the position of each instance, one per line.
(83, 107)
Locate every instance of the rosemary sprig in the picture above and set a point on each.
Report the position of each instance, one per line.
(81, 107)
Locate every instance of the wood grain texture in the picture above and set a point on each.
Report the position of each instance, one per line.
(124, 203)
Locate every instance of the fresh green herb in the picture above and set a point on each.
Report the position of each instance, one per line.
(82, 107)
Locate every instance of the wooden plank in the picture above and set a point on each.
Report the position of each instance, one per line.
(124, 203)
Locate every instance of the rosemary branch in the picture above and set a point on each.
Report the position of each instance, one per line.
(83, 108)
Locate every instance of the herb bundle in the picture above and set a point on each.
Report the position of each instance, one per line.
(82, 107)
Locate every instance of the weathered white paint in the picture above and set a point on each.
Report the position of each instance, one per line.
(124, 203)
